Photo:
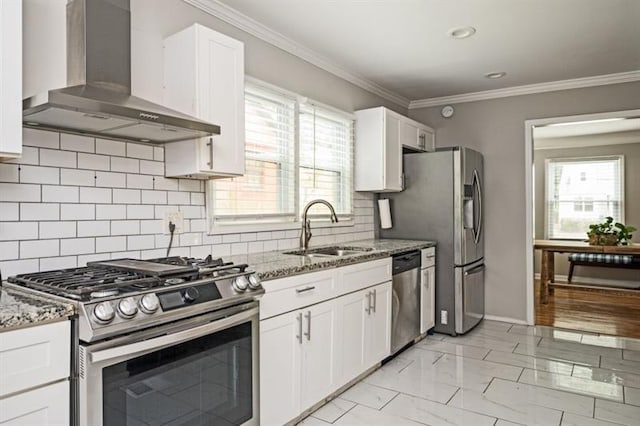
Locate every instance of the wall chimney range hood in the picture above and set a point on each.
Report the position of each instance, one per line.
(98, 100)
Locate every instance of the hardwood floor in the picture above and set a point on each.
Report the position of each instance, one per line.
(615, 312)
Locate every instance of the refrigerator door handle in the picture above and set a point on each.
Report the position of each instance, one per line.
(475, 270)
(478, 230)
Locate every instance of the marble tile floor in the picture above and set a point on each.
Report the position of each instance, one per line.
(498, 374)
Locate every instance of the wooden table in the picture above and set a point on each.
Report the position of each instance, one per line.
(551, 247)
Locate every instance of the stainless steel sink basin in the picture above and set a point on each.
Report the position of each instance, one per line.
(330, 251)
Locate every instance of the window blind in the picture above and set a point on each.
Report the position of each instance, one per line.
(326, 159)
(267, 190)
(582, 191)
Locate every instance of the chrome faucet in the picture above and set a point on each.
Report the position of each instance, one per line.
(305, 236)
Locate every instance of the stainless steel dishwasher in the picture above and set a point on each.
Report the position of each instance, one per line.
(405, 309)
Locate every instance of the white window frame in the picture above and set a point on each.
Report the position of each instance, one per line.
(319, 222)
(621, 218)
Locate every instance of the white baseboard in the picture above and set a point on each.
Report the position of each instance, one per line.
(505, 319)
(597, 281)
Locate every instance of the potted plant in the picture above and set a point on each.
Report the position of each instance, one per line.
(609, 233)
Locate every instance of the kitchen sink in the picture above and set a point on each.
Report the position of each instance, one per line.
(330, 251)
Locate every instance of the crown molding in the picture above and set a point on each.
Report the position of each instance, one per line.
(251, 26)
(577, 83)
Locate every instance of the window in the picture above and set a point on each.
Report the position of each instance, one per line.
(581, 191)
(295, 152)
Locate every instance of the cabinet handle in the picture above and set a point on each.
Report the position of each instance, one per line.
(299, 335)
(422, 143)
(308, 333)
(302, 290)
(368, 308)
(375, 300)
(210, 145)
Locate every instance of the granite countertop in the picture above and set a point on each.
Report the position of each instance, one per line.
(21, 309)
(275, 264)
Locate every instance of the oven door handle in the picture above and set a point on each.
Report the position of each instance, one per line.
(139, 348)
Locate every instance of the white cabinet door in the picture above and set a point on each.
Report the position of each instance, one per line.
(392, 154)
(426, 138)
(10, 79)
(427, 299)
(280, 357)
(46, 406)
(409, 134)
(354, 314)
(378, 329)
(319, 354)
(214, 64)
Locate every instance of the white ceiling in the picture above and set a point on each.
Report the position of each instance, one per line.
(403, 46)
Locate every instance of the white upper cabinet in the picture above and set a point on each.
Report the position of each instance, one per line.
(204, 77)
(10, 79)
(381, 135)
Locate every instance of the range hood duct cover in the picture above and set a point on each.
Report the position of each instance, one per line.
(98, 100)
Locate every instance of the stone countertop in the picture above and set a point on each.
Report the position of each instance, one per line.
(22, 309)
(275, 264)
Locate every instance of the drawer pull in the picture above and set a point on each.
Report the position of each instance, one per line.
(303, 290)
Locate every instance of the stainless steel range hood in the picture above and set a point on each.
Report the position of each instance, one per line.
(98, 100)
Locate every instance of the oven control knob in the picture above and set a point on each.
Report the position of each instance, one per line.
(149, 303)
(103, 313)
(254, 282)
(127, 308)
(190, 294)
(240, 284)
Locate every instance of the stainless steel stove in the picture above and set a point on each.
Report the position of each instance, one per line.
(161, 333)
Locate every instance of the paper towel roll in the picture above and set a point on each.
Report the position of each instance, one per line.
(385, 213)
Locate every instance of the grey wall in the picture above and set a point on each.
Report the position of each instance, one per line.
(497, 129)
(631, 153)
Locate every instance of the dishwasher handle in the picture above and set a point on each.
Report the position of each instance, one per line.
(405, 261)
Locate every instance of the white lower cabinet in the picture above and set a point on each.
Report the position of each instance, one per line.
(427, 299)
(48, 405)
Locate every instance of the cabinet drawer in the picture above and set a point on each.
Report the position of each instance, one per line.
(48, 405)
(34, 356)
(286, 294)
(428, 257)
(363, 275)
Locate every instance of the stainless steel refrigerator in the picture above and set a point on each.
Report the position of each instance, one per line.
(442, 201)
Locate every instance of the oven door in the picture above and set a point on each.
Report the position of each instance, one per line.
(198, 371)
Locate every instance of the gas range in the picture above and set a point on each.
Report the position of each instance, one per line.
(115, 297)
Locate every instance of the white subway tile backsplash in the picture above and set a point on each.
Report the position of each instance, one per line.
(94, 162)
(94, 228)
(77, 246)
(154, 197)
(125, 227)
(277, 235)
(136, 150)
(231, 238)
(111, 180)
(30, 155)
(192, 212)
(57, 229)
(221, 250)
(15, 267)
(71, 142)
(191, 239)
(111, 211)
(165, 184)
(95, 195)
(126, 196)
(10, 231)
(140, 212)
(109, 147)
(122, 254)
(111, 244)
(19, 192)
(35, 174)
(77, 177)
(60, 194)
(197, 198)
(139, 181)
(140, 242)
(56, 158)
(270, 245)
(248, 236)
(197, 225)
(256, 247)
(39, 211)
(239, 248)
(9, 173)
(39, 248)
(40, 138)
(9, 211)
(175, 197)
(151, 226)
(127, 165)
(153, 253)
(189, 185)
(77, 212)
(83, 259)
(200, 251)
(51, 263)
(9, 250)
(158, 153)
(152, 168)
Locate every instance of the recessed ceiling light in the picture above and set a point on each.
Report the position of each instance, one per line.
(494, 75)
(461, 32)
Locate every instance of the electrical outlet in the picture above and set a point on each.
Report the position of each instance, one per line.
(177, 218)
(444, 317)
